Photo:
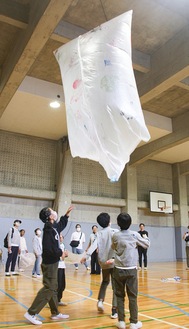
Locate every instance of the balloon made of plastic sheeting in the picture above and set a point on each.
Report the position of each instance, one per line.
(104, 115)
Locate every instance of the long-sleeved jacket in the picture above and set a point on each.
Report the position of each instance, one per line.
(103, 243)
(37, 245)
(50, 243)
(14, 237)
(125, 243)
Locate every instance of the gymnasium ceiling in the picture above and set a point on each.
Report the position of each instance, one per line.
(30, 30)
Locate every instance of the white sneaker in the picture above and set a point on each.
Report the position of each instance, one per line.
(88, 268)
(136, 325)
(14, 273)
(145, 268)
(21, 270)
(121, 325)
(59, 316)
(38, 276)
(100, 306)
(32, 318)
(7, 274)
(114, 316)
(62, 304)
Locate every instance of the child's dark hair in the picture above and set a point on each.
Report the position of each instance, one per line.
(103, 219)
(124, 221)
(44, 214)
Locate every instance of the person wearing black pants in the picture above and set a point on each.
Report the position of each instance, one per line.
(13, 248)
(95, 267)
(142, 252)
(61, 273)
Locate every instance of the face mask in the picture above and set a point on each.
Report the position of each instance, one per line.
(55, 216)
(78, 229)
(38, 232)
(17, 224)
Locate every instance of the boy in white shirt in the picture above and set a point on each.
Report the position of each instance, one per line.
(23, 248)
(61, 272)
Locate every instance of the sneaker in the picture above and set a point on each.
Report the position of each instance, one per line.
(114, 316)
(88, 268)
(62, 304)
(7, 274)
(114, 313)
(38, 276)
(14, 273)
(32, 318)
(145, 268)
(136, 325)
(76, 268)
(59, 316)
(34, 275)
(100, 306)
(121, 325)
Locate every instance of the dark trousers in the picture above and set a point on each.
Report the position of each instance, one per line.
(187, 255)
(48, 293)
(95, 267)
(61, 282)
(106, 275)
(11, 259)
(126, 280)
(142, 252)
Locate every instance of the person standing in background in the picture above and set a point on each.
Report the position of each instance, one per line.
(23, 248)
(95, 267)
(186, 238)
(37, 249)
(78, 235)
(142, 252)
(13, 248)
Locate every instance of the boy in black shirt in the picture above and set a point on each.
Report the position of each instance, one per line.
(50, 257)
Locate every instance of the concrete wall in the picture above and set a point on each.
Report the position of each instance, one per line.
(162, 238)
(28, 182)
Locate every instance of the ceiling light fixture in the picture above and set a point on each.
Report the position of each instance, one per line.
(55, 104)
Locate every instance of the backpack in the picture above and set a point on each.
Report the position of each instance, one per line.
(6, 238)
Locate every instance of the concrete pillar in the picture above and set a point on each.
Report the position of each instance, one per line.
(64, 180)
(129, 192)
(181, 216)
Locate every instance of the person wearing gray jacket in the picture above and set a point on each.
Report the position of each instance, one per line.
(125, 243)
(13, 248)
(105, 252)
(37, 249)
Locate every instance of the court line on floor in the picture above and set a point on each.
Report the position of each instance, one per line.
(144, 315)
(93, 299)
(166, 303)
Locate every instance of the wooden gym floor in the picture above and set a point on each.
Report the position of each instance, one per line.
(162, 303)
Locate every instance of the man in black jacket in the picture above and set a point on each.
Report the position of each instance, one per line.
(50, 257)
(142, 251)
